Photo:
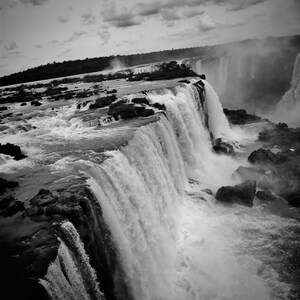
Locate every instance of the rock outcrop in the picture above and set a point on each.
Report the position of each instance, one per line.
(12, 150)
(266, 156)
(221, 147)
(242, 193)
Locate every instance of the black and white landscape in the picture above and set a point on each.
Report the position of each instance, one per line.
(150, 150)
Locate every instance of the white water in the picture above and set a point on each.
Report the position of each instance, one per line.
(199, 66)
(222, 74)
(288, 108)
(172, 240)
(71, 276)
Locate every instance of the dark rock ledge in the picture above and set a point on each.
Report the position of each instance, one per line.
(25, 257)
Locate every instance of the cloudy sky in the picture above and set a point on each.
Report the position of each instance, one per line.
(35, 32)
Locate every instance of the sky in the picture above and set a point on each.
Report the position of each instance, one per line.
(36, 32)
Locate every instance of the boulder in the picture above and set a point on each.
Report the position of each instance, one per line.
(103, 101)
(240, 117)
(3, 108)
(159, 106)
(184, 81)
(13, 209)
(242, 193)
(223, 148)
(5, 202)
(36, 103)
(202, 76)
(12, 150)
(140, 101)
(23, 104)
(6, 184)
(266, 156)
(266, 196)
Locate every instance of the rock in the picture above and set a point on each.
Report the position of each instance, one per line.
(43, 198)
(184, 81)
(35, 103)
(202, 76)
(266, 157)
(111, 91)
(103, 101)
(128, 110)
(12, 150)
(140, 101)
(293, 198)
(240, 117)
(208, 191)
(223, 147)
(3, 108)
(265, 196)
(5, 202)
(23, 104)
(159, 106)
(242, 193)
(5, 184)
(13, 209)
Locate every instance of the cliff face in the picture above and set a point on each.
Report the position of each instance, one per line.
(26, 260)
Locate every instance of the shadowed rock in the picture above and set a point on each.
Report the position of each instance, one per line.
(6, 184)
(223, 147)
(12, 150)
(266, 196)
(266, 157)
(242, 193)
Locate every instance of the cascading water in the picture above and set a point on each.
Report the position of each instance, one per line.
(71, 276)
(172, 240)
(199, 66)
(288, 108)
(222, 74)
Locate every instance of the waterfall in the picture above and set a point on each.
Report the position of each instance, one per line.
(71, 276)
(222, 74)
(199, 66)
(288, 108)
(169, 236)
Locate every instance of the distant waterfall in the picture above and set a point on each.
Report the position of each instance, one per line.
(288, 108)
(71, 276)
(199, 66)
(222, 74)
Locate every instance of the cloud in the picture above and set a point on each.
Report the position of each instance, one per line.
(146, 9)
(75, 36)
(190, 12)
(62, 19)
(118, 19)
(88, 18)
(170, 14)
(239, 5)
(64, 53)
(34, 2)
(11, 46)
(53, 42)
(105, 36)
(207, 24)
(38, 46)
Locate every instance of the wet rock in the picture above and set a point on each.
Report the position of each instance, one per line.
(111, 91)
(5, 202)
(240, 117)
(35, 103)
(159, 106)
(6, 184)
(242, 193)
(266, 157)
(208, 191)
(12, 150)
(18, 206)
(202, 76)
(103, 101)
(266, 196)
(43, 198)
(184, 81)
(23, 104)
(140, 101)
(128, 110)
(3, 108)
(293, 198)
(223, 147)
